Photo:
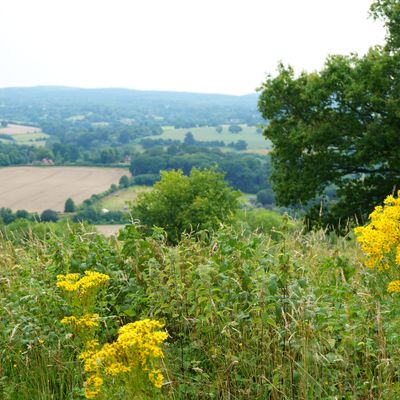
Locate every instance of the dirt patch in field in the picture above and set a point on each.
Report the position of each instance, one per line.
(39, 188)
(13, 129)
(109, 230)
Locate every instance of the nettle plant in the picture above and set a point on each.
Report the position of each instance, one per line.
(380, 240)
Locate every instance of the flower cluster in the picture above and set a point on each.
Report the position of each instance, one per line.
(380, 239)
(92, 280)
(137, 346)
(394, 287)
(86, 322)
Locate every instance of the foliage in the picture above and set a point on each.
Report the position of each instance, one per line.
(146, 179)
(124, 181)
(251, 318)
(22, 231)
(49, 216)
(246, 172)
(266, 221)
(248, 317)
(179, 203)
(239, 145)
(338, 126)
(69, 206)
(235, 128)
(266, 197)
(95, 216)
(389, 12)
(15, 154)
(7, 216)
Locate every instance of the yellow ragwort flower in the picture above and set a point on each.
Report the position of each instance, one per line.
(82, 286)
(380, 239)
(394, 287)
(86, 322)
(137, 346)
(93, 386)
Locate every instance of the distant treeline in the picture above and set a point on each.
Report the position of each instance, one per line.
(189, 139)
(246, 172)
(13, 154)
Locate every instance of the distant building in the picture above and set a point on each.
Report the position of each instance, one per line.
(47, 161)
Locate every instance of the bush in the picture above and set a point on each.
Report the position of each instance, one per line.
(180, 203)
(266, 197)
(146, 179)
(124, 181)
(49, 216)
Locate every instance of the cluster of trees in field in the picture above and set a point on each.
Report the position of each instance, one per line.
(7, 216)
(13, 154)
(246, 172)
(86, 136)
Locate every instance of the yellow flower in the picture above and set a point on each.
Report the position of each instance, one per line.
(394, 287)
(156, 377)
(137, 346)
(93, 386)
(83, 286)
(86, 322)
(116, 368)
(380, 239)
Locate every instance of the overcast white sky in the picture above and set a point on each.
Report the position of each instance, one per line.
(215, 46)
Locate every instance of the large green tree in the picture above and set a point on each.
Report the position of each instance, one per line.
(179, 203)
(338, 127)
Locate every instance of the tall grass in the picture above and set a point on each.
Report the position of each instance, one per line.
(249, 316)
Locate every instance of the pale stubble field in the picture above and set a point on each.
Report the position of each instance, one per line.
(40, 188)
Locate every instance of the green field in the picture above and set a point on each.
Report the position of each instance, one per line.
(255, 141)
(117, 201)
(33, 139)
(24, 134)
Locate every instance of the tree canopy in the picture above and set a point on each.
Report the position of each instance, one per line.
(179, 203)
(338, 126)
(69, 206)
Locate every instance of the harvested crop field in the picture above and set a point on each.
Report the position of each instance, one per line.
(40, 188)
(13, 129)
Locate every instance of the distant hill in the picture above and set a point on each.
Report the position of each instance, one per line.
(44, 103)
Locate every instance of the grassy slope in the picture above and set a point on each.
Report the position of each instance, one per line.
(248, 318)
(32, 137)
(255, 140)
(118, 200)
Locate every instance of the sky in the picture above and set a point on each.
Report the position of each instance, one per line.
(207, 46)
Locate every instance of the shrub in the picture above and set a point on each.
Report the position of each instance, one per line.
(49, 216)
(179, 203)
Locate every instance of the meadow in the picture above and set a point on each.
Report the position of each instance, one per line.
(38, 188)
(255, 141)
(278, 314)
(118, 201)
(24, 134)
